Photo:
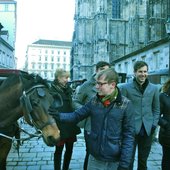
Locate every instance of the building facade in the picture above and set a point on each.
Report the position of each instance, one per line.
(8, 19)
(7, 33)
(110, 30)
(45, 56)
(7, 59)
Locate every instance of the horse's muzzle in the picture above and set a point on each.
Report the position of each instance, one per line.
(51, 141)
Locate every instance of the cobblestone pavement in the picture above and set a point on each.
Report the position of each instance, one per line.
(35, 155)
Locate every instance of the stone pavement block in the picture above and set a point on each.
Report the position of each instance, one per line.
(35, 155)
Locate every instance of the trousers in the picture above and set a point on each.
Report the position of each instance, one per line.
(94, 164)
(67, 156)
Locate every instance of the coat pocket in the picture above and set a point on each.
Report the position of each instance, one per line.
(112, 147)
(93, 144)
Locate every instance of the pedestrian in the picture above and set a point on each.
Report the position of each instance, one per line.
(85, 92)
(164, 122)
(145, 98)
(111, 138)
(68, 131)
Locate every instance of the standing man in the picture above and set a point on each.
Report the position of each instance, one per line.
(145, 98)
(85, 92)
(111, 138)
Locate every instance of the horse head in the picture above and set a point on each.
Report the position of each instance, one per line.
(36, 101)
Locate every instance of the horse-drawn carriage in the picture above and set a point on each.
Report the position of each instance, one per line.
(25, 95)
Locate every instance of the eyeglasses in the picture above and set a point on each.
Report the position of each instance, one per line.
(100, 83)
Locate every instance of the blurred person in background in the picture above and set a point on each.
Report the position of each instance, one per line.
(83, 94)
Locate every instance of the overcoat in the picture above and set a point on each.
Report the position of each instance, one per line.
(146, 106)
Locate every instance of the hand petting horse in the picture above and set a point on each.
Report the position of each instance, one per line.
(25, 95)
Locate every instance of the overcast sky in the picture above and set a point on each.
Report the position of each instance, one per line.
(42, 19)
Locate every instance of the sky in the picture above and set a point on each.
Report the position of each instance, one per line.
(42, 19)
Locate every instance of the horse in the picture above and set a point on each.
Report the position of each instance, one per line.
(26, 95)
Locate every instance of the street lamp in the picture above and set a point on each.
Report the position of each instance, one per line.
(167, 25)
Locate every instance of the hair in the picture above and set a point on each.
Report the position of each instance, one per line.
(102, 64)
(110, 75)
(139, 64)
(166, 87)
(61, 73)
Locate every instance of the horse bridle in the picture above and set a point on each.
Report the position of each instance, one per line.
(25, 99)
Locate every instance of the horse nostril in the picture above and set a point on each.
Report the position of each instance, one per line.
(52, 140)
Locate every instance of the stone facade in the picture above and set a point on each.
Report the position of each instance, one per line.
(109, 30)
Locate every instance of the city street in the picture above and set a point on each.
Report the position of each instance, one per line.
(35, 155)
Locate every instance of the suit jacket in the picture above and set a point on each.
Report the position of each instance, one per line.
(146, 106)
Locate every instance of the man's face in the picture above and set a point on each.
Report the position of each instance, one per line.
(141, 74)
(103, 87)
(102, 68)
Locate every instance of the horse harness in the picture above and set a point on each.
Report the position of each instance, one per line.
(25, 100)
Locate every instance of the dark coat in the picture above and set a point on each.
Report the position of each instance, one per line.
(112, 129)
(164, 122)
(67, 130)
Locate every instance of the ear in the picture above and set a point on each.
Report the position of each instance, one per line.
(113, 84)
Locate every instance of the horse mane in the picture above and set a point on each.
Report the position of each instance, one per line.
(25, 79)
(33, 79)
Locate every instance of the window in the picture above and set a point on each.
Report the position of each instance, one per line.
(45, 65)
(143, 57)
(11, 7)
(2, 7)
(33, 65)
(45, 74)
(64, 59)
(52, 66)
(116, 8)
(52, 58)
(46, 58)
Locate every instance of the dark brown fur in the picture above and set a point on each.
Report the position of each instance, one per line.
(11, 110)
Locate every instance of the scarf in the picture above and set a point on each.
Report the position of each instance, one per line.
(106, 100)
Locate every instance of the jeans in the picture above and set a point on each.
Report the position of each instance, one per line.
(94, 164)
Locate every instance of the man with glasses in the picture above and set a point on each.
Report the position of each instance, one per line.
(86, 91)
(111, 139)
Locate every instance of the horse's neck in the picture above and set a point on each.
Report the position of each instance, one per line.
(10, 109)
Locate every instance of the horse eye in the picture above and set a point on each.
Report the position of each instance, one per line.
(41, 92)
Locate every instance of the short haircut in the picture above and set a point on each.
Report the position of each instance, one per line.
(102, 64)
(110, 75)
(61, 73)
(139, 64)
